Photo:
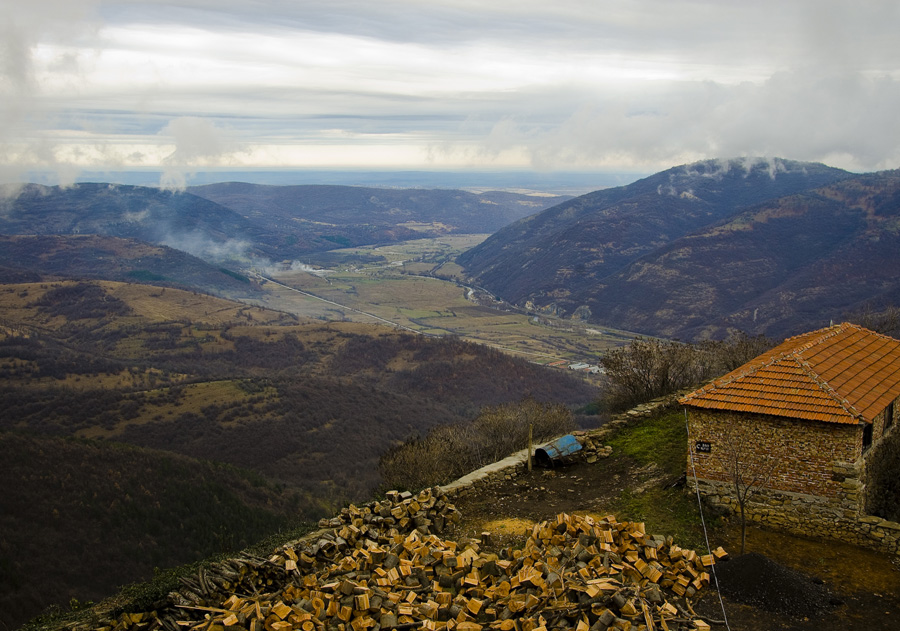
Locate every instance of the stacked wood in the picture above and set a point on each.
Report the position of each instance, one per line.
(573, 573)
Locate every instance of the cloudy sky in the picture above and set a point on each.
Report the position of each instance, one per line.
(547, 85)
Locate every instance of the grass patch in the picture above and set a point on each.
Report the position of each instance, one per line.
(665, 511)
(661, 441)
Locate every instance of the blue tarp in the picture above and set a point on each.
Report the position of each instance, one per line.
(554, 450)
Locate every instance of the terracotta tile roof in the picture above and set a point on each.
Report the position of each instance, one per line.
(840, 374)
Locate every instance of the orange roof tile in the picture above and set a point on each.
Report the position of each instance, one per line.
(840, 374)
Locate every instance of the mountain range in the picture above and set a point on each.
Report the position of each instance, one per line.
(236, 224)
(770, 247)
(428, 212)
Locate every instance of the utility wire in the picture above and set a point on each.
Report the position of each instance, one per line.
(703, 520)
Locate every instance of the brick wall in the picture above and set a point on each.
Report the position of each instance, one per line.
(818, 484)
(798, 455)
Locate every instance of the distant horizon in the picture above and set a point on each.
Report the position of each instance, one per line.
(572, 85)
(574, 182)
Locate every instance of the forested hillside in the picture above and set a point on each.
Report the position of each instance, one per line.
(169, 369)
(303, 409)
(81, 518)
(557, 261)
(778, 269)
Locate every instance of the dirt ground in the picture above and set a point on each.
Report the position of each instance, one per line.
(817, 585)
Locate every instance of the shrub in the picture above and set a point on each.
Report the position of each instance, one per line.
(650, 368)
(448, 452)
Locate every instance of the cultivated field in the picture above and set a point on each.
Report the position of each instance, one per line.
(417, 287)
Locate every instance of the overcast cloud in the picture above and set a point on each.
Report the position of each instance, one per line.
(563, 85)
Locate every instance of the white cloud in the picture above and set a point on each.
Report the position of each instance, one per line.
(573, 83)
(198, 142)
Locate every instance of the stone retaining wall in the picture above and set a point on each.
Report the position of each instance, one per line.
(808, 515)
(591, 442)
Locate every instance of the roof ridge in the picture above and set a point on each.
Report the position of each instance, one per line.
(733, 376)
(820, 374)
(827, 389)
(793, 353)
(824, 334)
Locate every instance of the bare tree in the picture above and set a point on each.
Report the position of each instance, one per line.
(747, 468)
(649, 368)
(734, 351)
(885, 320)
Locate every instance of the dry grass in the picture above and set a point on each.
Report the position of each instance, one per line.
(509, 526)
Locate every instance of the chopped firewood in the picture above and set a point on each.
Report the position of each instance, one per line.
(384, 567)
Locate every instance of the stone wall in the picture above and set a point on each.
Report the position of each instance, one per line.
(882, 468)
(795, 456)
(819, 475)
(809, 515)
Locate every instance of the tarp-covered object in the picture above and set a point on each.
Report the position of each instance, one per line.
(547, 455)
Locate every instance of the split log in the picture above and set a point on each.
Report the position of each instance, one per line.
(368, 572)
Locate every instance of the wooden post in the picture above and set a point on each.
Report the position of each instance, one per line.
(530, 443)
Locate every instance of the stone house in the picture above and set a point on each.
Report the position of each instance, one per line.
(809, 421)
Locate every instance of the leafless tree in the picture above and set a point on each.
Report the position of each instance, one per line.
(734, 351)
(747, 467)
(649, 368)
(885, 320)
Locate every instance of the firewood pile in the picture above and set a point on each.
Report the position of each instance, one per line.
(383, 566)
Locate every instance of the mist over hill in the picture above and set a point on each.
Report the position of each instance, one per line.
(255, 224)
(28, 258)
(179, 220)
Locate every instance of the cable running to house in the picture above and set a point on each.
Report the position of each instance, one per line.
(703, 520)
